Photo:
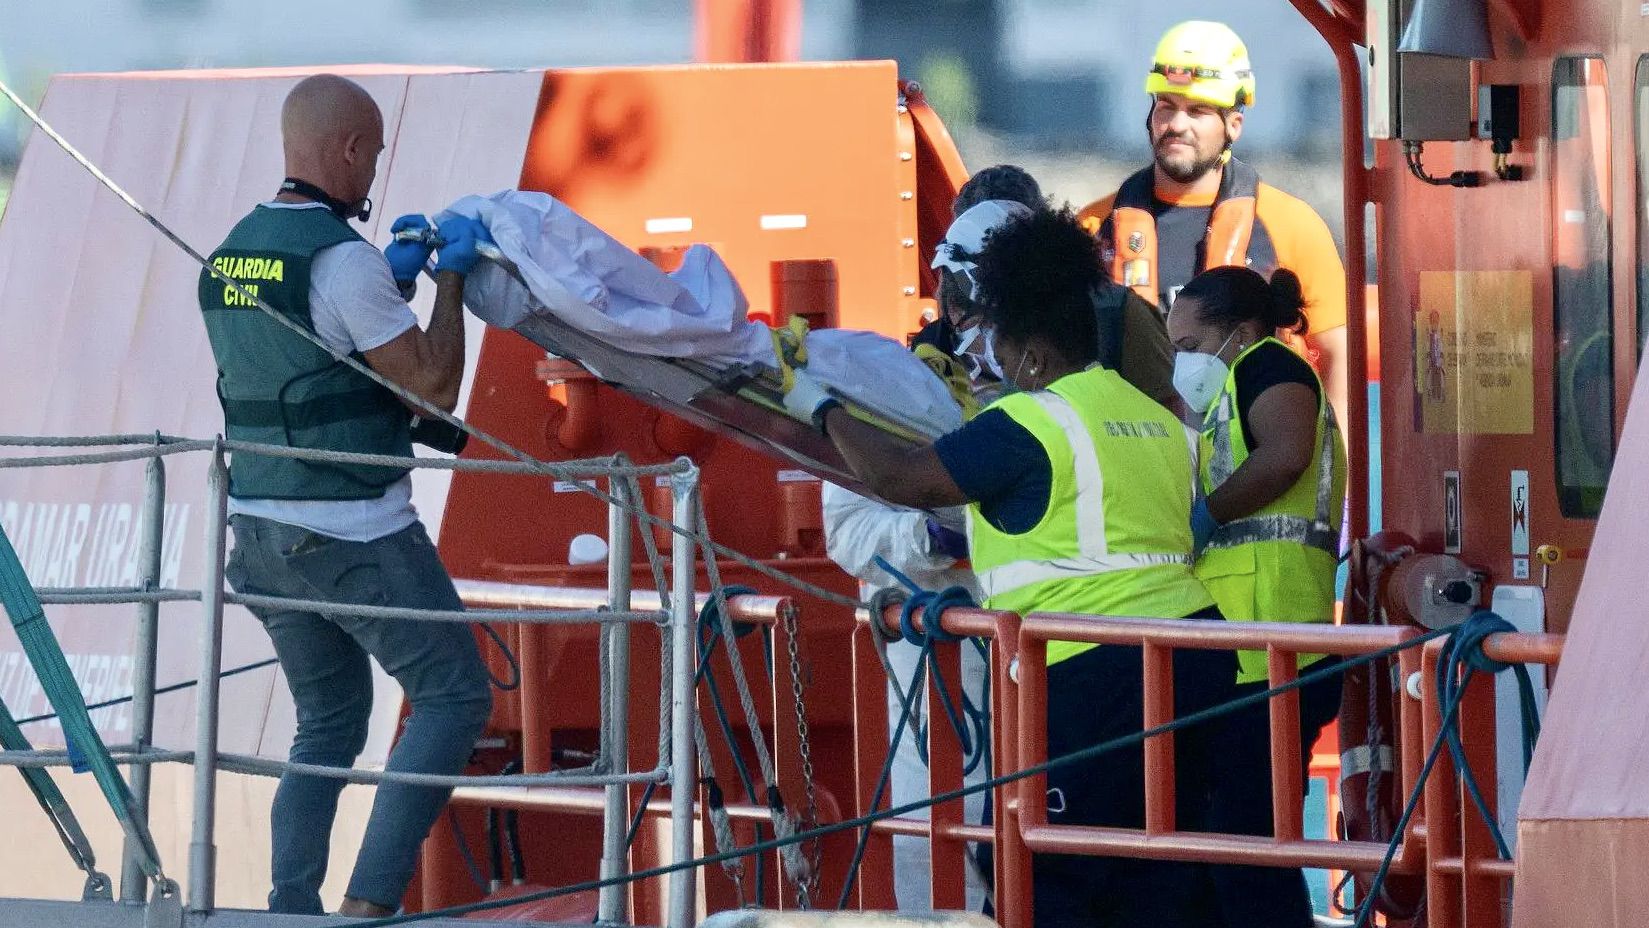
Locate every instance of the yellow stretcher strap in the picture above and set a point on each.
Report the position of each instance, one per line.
(790, 349)
(953, 374)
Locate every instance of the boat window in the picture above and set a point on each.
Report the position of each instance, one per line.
(1582, 310)
(1640, 93)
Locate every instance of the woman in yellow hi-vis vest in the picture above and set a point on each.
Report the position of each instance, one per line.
(1079, 491)
(1267, 529)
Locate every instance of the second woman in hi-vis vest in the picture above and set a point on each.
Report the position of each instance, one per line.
(1079, 490)
(1267, 529)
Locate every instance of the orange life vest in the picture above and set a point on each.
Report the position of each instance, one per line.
(1131, 248)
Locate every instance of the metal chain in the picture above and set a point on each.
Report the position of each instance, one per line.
(809, 885)
(549, 468)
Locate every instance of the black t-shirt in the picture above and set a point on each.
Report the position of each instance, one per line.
(939, 333)
(1268, 365)
(999, 464)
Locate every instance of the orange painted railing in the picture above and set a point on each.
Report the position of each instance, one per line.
(1465, 878)
(1158, 639)
(1466, 881)
(946, 830)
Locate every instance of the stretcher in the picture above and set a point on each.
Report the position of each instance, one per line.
(744, 402)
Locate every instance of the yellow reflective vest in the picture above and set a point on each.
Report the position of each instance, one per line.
(1115, 538)
(1276, 564)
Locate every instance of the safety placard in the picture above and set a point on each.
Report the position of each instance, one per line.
(1473, 352)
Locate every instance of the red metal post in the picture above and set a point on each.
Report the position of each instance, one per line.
(1442, 807)
(1481, 893)
(1013, 858)
(1031, 810)
(535, 726)
(1411, 748)
(947, 869)
(1342, 41)
(1286, 798)
(1158, 676)
(728, 31)
(874, 888)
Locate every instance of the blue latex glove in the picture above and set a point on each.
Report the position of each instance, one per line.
(1203, 525)
(947, 541)
(459, 236)
(406, 259)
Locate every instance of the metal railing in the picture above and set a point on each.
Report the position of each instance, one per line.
(1450, 850)
(945, 828)
(614, 613)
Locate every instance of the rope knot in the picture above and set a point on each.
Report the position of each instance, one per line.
(879, 602)
(932, 606)
(1470, 635)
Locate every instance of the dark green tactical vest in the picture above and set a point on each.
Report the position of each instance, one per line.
(276, 387)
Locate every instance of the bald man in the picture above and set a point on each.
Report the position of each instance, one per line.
(343, 532)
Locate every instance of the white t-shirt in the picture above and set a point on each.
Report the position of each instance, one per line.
(355, 306)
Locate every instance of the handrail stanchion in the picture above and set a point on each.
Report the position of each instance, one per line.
(133, 885)
(1287, 746)
(684, 493)
(1157, 677)
(202, 851)
(615, 743)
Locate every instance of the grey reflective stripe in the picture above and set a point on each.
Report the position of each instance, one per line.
(1325, 465)
(1363, 759)
(1012, 576)
(1317, 532)
(1276, 528)
(1221, 467)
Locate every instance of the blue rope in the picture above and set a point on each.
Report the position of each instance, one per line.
(1463, 658)
(1318, 672)
(972, 722)
(710, 621)
(886, 775)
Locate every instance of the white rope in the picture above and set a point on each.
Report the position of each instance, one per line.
(784, 825)
(527, 617)
(87, 441)
(104, 457)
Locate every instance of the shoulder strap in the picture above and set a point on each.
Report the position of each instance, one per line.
(1231, 225)
(1132, 241)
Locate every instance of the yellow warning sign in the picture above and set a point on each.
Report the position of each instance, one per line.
(1474, 352)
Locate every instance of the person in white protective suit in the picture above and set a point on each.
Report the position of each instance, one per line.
(862, 535)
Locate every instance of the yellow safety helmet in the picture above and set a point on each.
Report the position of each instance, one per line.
(1204, 61)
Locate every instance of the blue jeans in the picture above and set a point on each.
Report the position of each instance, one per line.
(324, 659)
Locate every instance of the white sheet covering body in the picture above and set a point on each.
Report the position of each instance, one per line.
(590, 280)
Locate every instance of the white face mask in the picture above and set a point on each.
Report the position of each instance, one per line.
(989, 354)
(1199, 377)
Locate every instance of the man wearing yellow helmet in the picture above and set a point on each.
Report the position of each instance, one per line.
(1197, 207)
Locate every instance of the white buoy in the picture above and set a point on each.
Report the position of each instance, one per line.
(586, 549)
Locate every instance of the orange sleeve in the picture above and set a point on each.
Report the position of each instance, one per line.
(1094, 214)
(1306, 247)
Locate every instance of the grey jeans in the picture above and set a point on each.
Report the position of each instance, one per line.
(324, 659)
